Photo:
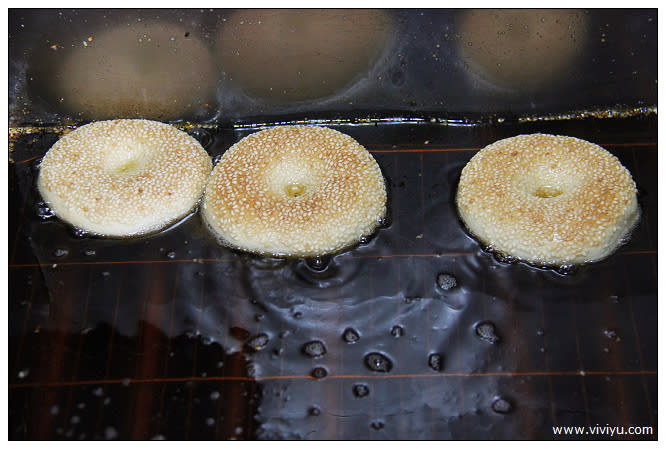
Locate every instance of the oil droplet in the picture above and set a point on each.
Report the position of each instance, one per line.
(23, 373)
(436, 362)
(350, 336)
(215, 395)
(216, 159)
(319, 372)
(257, 342)
(378, 362)
(360, 390)
(446, 281)
(502, 405)
(314, 411)
(314, 349)
(486, 331)
(89, 252)
(397, 331)
(171, 255)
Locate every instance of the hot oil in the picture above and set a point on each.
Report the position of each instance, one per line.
(320, 334)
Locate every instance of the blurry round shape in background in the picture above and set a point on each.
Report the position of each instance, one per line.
(522, 48)
(296, 55)
(145, 69)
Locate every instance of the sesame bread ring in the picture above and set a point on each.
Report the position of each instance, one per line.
(548, 200)
(296, 191)
(121, 178)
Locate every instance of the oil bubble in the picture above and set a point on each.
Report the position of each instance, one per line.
(314, 349)
(44, 212)
(503, 258)
(60, 252)
(377, 425)
(436, 362)
(397, 331)
(486, 331)
(319, 372)
(610, 334)
(90, 252)
(216, 159)
(314, 411)
(501, 405)
(378, 362)
(317, 263)
(36, 163)
(257, 342)
(566, 270)
(252, 369)
(79, 233)
(350, 336)
(360, 390)
(446, 281)
(110, 433)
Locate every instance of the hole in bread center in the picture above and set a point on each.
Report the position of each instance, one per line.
(125, 160)
(547, 191)
(294, 189)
